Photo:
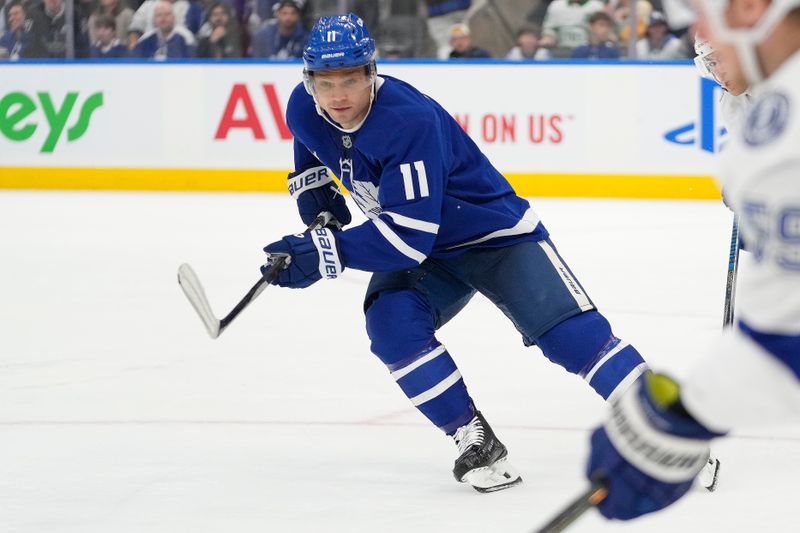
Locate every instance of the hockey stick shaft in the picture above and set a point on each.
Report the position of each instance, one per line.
(193, 289)
(733, 267)
(596, 493)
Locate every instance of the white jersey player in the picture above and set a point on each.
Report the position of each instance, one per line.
(656, 440)
(737, 96)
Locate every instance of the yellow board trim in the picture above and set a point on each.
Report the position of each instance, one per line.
(236, 180)
(615, 186)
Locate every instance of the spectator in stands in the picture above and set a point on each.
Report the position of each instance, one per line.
(282, 38)
(47, 20)
(115, 9)
(264, 10)
(620, 13)
(370, 11)
(107, 44)
(403, 31)
(566, 25)
(461, 44)
(681, 17)
(167, 40)
(188, 15)
(442, 15)
(528, 45)
(659, 43)
(18, 41)
(600, 45)
(224, 38)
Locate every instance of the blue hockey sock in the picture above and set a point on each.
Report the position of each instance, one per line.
(585, 345)
(434, 385)
(401, 327)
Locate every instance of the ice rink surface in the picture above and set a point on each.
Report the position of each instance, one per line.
(118, 413)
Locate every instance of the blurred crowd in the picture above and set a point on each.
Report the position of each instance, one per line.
(277, 29)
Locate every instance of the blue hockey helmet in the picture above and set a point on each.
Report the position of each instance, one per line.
(339, 42)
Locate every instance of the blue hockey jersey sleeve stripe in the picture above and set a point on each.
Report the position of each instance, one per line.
(397, 242)
(412, 223)
(527, 224)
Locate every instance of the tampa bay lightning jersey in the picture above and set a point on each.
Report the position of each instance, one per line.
(425, 187)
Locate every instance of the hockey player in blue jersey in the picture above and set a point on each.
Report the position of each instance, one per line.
(442, 225)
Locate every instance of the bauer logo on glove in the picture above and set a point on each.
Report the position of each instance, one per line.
(309, 257)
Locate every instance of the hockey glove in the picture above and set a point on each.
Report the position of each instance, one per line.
(309, 257)
(315, 192)
(649, 451)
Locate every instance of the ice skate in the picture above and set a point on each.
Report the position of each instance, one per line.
(483, 461)
(709, 475)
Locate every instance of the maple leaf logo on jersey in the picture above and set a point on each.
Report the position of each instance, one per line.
(365, 193)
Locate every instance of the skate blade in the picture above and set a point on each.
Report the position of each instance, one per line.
(499, 476)
(709, 475)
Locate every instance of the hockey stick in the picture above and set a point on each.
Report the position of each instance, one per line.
(733, 267)
(193, 289)
(596, 493)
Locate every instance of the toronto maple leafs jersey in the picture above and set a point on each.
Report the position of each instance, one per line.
(425, 187)
(753, 373)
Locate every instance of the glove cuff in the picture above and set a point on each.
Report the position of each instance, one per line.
(330, 263)
(664, 443)
(308, 179)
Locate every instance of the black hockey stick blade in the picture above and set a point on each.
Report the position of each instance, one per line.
(193, 289)
(596, 493)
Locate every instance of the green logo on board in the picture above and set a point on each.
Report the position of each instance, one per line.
(17, 124)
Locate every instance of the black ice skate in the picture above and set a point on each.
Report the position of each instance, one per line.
(483, 461)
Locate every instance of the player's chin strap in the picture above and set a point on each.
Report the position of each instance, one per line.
(376, 85)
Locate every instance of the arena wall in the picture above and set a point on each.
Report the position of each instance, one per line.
(554, 129)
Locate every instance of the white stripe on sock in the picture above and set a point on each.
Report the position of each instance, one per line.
(614, 351)
(626, 383)
(436, 390)
(433, 354)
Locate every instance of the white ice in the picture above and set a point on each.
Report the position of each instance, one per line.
(118, 413)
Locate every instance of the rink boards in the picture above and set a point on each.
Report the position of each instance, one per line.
(554, 129)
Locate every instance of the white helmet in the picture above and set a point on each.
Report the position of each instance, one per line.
(746, 39)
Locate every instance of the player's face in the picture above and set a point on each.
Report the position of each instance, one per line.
(725, 67)
(343, 94)
(726, 64)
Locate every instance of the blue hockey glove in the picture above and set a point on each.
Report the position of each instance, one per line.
(309, 257)
(649, 451)
(315, 192)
